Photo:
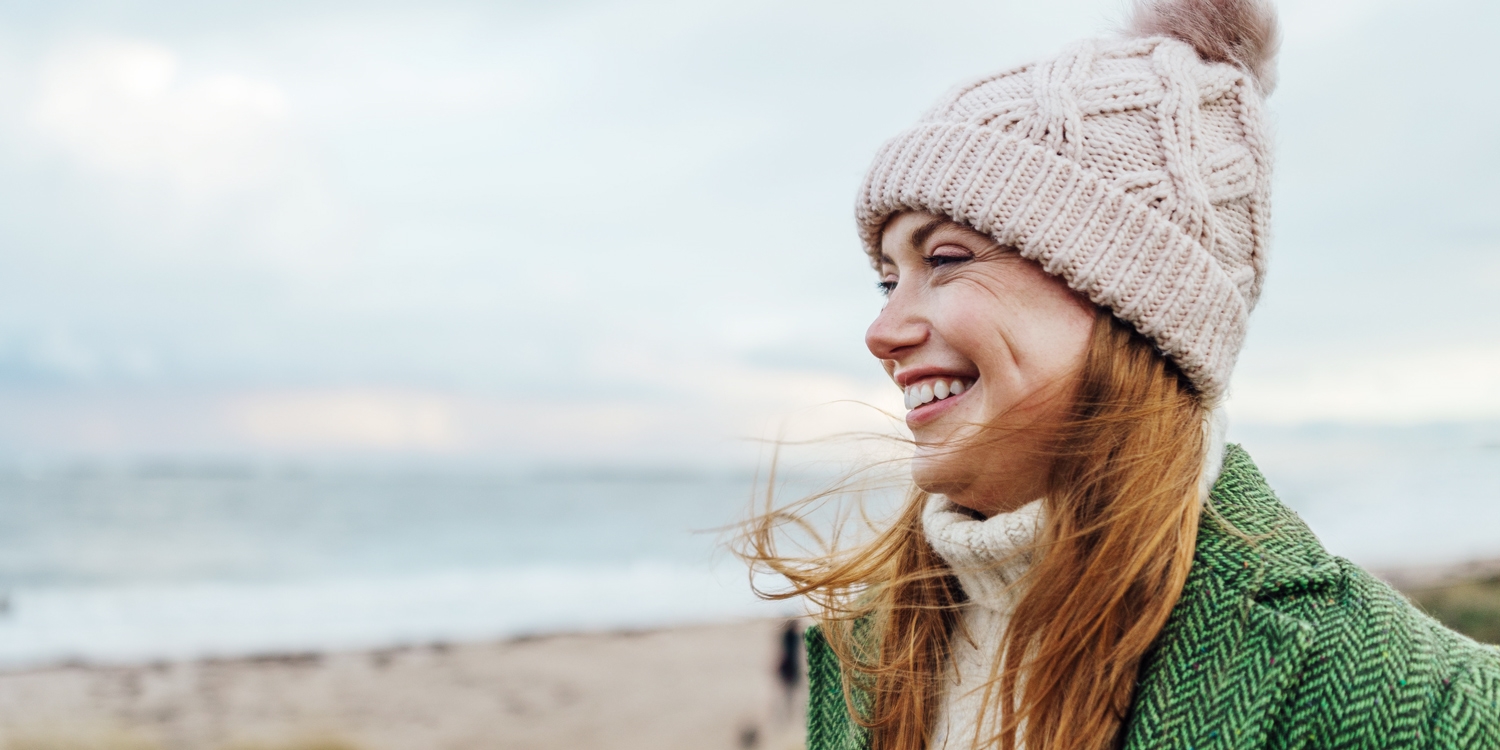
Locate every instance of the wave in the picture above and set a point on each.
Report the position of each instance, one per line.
(138, 623)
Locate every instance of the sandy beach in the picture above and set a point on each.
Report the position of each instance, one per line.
(700, 687)
(693, 687)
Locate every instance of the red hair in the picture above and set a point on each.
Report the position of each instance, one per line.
(1120, 523)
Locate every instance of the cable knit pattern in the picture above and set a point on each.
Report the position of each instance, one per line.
(1132, 168)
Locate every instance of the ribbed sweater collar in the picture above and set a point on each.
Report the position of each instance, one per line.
(987, 555)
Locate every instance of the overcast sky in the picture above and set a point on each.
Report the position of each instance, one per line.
(617, 231)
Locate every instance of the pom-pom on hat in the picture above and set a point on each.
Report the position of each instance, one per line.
(1137, 169)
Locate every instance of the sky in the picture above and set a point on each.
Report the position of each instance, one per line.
(590, 231)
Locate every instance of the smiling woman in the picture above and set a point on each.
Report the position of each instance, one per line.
(1070, 252)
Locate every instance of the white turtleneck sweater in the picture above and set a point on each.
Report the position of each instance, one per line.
(988, 556)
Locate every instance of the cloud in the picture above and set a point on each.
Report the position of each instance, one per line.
(350, 419)
(125, 108)
(569, 230)
(181, 161)
(710, 415)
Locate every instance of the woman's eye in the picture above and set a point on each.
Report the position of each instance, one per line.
(936, 259)
(886, 286)
(946, 254)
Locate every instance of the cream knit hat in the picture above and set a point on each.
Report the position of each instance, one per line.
(1137, 169)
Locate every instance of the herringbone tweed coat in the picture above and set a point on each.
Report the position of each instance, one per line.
(1274, 644)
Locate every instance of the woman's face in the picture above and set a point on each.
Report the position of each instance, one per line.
(971, 320)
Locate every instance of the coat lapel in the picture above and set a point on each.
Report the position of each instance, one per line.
(1219, 671)
(1228, 657)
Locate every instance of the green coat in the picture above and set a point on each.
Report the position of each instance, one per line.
(1274, 644)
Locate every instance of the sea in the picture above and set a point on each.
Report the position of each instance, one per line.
(136, 562)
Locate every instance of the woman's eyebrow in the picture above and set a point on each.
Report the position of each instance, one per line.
(921, 234)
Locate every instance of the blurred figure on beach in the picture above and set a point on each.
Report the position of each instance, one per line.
(789, 666)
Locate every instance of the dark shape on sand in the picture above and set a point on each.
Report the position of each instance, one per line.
(790, 667)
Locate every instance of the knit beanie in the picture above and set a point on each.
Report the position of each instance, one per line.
(1136, 168)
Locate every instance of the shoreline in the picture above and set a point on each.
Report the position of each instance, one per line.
(315, 653)
(696, 686)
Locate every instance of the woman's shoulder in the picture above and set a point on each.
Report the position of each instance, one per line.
(1376, 670)
(1254, 544)
(1276, 638)
(1379, 655)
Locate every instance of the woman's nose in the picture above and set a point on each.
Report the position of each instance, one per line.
(896, 329)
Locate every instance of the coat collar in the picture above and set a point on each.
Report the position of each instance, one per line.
(1229, 654)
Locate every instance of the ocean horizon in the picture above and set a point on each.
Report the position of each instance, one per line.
(132, 561)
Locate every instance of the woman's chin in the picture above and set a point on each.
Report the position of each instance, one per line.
(937, 474)
(969, 485)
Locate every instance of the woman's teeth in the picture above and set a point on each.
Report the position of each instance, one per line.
(930, 391)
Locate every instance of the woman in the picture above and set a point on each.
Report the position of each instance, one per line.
(1070, 251)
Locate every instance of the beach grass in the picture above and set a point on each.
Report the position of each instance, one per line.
(1471, 607)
